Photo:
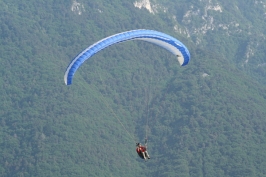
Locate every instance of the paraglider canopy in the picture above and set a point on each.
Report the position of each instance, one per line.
(161, 39)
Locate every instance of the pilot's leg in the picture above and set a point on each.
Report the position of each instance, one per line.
(147, 155)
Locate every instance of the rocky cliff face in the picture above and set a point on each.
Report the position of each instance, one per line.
(242, 23)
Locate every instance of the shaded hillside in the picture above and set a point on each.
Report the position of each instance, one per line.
(206, 119)
(214, 124)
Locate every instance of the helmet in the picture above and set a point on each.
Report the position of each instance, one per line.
(137, 144)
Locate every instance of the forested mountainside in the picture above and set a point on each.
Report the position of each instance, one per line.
(204, 119)
(235, 29)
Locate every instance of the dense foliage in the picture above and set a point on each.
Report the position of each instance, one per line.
(205, 119)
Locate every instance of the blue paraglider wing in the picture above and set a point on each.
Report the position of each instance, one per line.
(168, 42)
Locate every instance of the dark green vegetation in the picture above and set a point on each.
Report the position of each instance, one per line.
(198, 126)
